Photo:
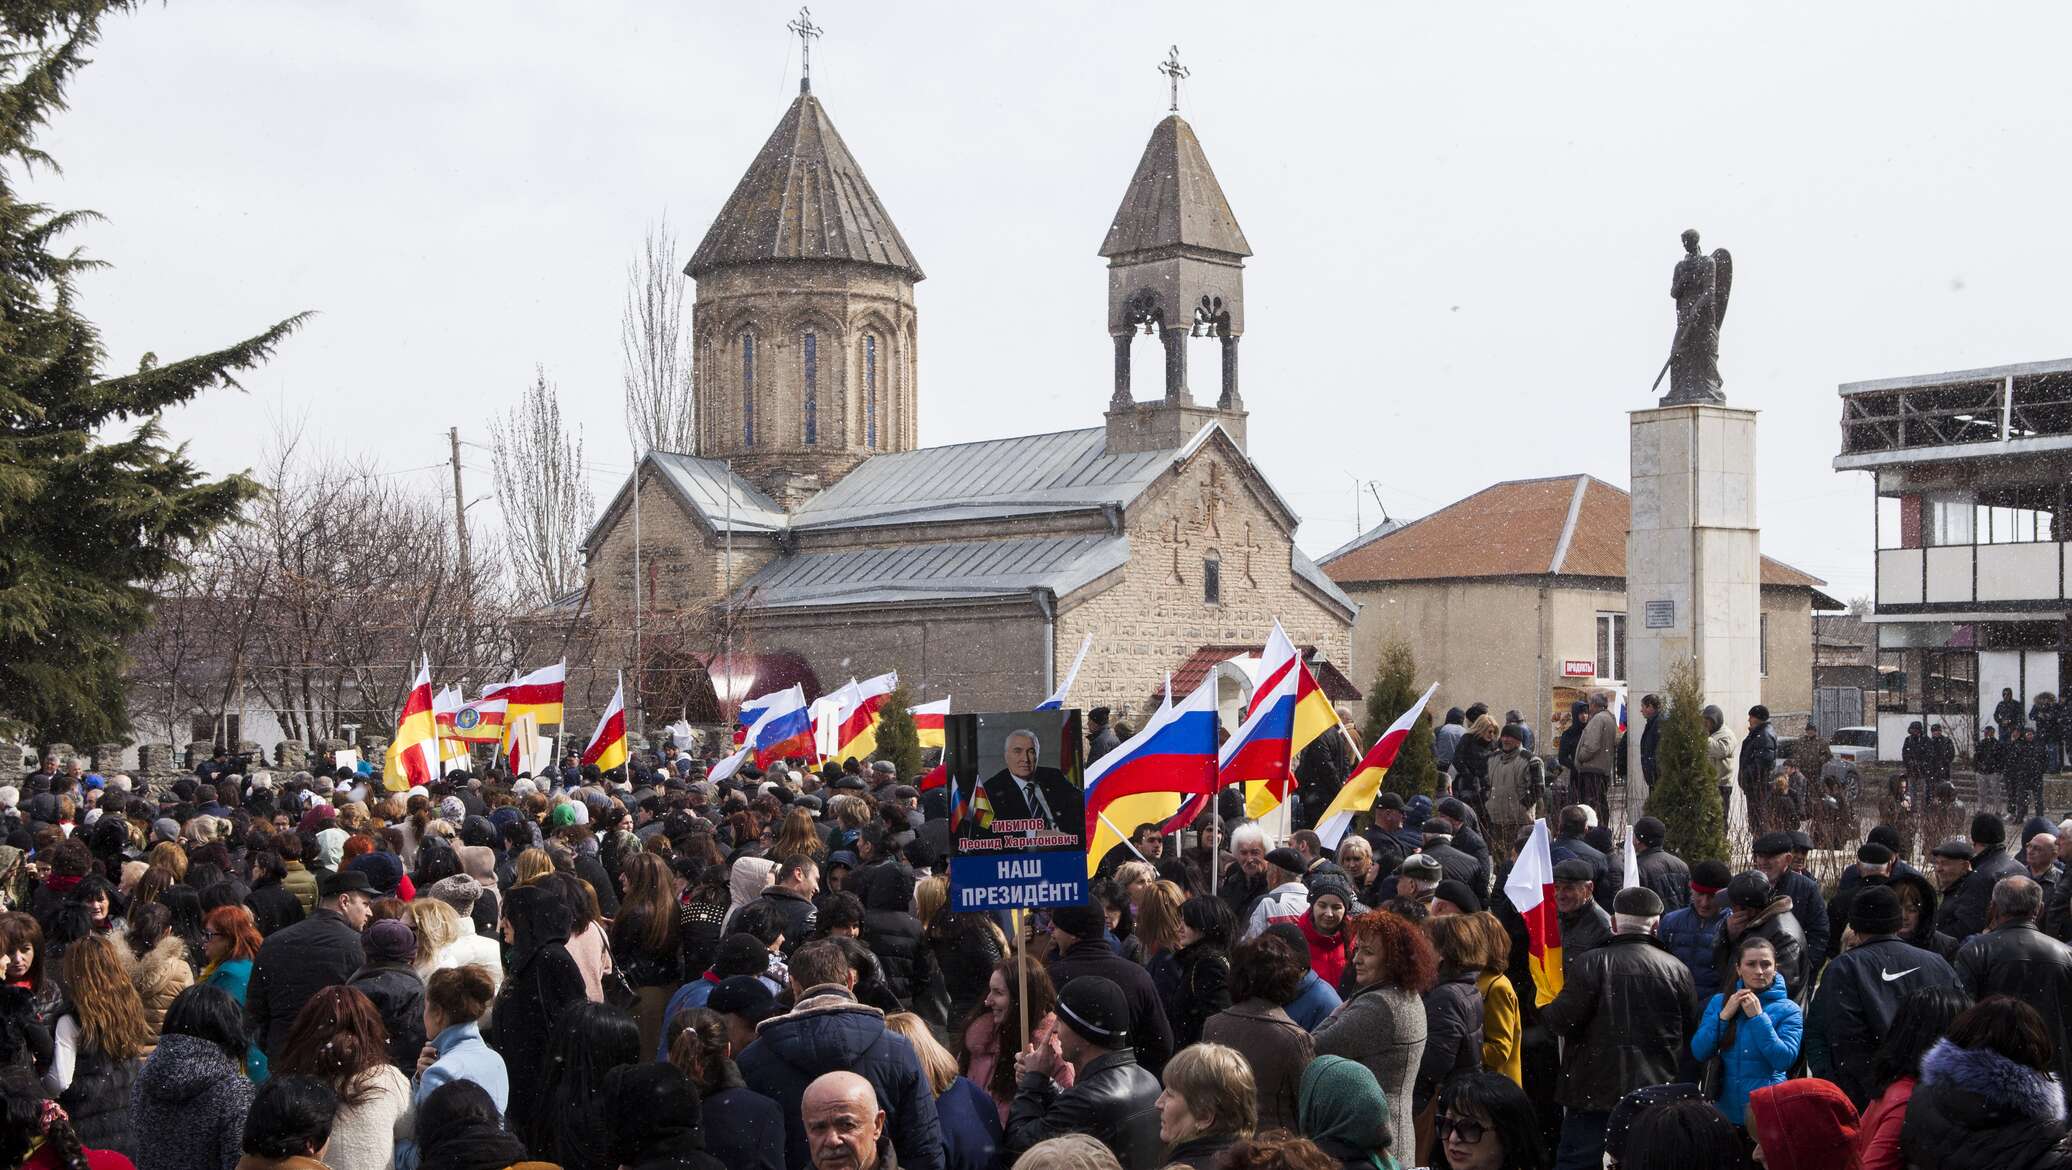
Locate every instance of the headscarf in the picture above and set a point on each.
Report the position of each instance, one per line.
(478, 862)
(540, 918)
(1341, 1101)
(747, 881)
(458, 1129)
(330, 848)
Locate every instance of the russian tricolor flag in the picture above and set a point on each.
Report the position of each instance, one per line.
(1174, 755)
(784, 729)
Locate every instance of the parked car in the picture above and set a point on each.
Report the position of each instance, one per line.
(1855, 745)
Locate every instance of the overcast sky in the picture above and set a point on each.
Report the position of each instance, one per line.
(1464, 216)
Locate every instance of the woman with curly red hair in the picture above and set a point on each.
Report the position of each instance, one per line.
(1382, 1024)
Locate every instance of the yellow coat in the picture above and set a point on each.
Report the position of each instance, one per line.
(1501, 1045)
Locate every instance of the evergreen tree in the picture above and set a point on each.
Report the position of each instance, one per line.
(898, 739)
(86, 523)
(1685, 797)
(1416, 770)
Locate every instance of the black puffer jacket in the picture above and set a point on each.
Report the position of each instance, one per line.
(1666, 874)
(1453, 1033)
(98, 1100)
(895, 937)
(398, 994)
(1858, 999)
(1114, 1101)
(1776, 923)
(2017, 959)
(295, 963)
(1974, 1109)
(1626, 1011)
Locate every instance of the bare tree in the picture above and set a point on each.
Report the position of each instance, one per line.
(655, 349)
(544, 492)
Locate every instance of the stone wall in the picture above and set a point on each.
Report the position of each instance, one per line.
(1154, 616)
(987, 656)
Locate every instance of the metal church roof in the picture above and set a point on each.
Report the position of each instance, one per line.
(973, 569)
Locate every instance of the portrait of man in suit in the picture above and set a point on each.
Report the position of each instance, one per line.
(1027, 790)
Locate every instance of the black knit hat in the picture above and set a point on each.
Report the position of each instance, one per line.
(1885, 835)
(1094, 1007)
(1710, 876)
(1650, 830)
(1080, 921)
(1875, 910)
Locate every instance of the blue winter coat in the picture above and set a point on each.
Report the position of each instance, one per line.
(1763, 1046)
(1690, 938)
(829, 1031)
(971, 1134)
(1314, 1002)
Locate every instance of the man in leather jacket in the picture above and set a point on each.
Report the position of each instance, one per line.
(1626, 1012)
(1112, 1098)
(1758, 755)
(2015, 958)
(1862, 990)
(1754, 908)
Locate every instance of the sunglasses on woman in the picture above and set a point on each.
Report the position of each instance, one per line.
(1469, 1130)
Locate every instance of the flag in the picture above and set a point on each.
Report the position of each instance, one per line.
(1057, 697)
(935, 778)
(1145, 778)
(1288, 712)
(751, 711)
(522, 741)
(607, 747)
(826, 714)
(1632, 863)
(414, 752)
(928, 722)
(481, 721)
(537, 694)
(1361, 788)
(445, 701)
(785, 729)
(859, 727)
(728, 766)
(453, 755)
(1531, 890)
(960, 804)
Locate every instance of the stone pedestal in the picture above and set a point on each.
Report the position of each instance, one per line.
(1693, 562)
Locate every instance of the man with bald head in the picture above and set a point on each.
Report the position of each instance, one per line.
(845, 1129)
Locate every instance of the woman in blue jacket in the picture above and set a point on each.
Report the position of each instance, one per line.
(1754, 1029)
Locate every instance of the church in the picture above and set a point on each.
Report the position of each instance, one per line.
(811, 538)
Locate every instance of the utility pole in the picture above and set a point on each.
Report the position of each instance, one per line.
(460, 503)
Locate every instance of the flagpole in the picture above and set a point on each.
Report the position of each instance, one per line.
(561, 728)
(1125, 838)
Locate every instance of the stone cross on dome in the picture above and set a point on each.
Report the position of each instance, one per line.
(806, 30)
(1174, 71)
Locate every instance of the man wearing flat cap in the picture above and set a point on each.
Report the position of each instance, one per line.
(1772, 855)
(1754, 908)
(1287, 898)
(1625, 1011)
(1861, 992)
(1584, 924)
(1113, 1099)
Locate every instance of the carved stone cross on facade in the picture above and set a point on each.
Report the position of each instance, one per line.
(1174, 71)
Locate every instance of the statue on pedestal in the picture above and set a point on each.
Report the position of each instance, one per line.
(1700, 286)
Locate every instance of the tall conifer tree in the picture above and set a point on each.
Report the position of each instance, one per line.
(1685, 797)
(94, 504)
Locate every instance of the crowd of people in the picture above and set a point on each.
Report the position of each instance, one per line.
(653, 970)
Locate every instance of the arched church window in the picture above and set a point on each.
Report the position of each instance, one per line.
(811, 348)
(747, 389)
(1212, 578)
(870, 391)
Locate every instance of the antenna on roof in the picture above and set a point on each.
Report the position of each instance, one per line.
(807, 30)
(1174, 71)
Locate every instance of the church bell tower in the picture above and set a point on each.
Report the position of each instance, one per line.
(1175, 271)
(803, 326)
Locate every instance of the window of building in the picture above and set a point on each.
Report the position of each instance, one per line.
(811, 348)
(1950, 517)
(1611, 645)
(1212, 579)
(870, 391)
(1933, 681)
(748, 389)
(1762, 638)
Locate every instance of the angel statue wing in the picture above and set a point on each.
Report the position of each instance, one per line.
(1722, 285)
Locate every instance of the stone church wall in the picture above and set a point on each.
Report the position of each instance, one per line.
(988, 657)
(1156, 617)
